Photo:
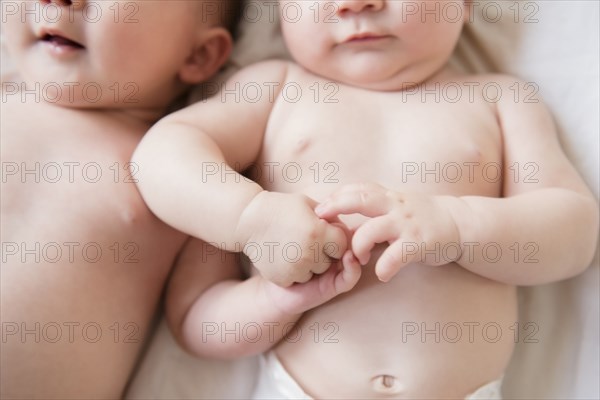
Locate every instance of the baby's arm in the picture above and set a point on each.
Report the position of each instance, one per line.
(189, 166)
(551, 217)
(212, 312)
(544, 229)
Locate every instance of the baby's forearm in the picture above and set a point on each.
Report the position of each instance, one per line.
(196, 192)
(234, 319)
(533, 238)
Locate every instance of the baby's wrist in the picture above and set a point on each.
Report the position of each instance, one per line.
(269, 297)
(251, 218)
(462, 216)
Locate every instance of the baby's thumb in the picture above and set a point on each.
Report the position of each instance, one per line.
(348, 277)
(336, 241)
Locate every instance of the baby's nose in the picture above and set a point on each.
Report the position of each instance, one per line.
(357, 6)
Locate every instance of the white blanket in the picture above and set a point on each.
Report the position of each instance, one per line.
(554, 44)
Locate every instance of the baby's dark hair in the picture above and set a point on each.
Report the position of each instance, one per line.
(232, 11)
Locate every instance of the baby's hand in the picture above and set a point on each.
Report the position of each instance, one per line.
(286, 241)
(300, 297)
(416, 226)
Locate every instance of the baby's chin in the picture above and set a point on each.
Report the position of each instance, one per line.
(387, 79)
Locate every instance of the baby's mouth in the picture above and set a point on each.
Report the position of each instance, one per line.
(60, 41)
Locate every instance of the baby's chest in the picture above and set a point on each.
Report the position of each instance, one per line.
(68, 179)
(435, 148)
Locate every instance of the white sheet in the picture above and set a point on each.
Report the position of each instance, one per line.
(560, 52)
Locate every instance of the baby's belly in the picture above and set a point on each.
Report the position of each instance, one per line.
(75, 330)
(430, 332)
(83, 259)
(78, 295)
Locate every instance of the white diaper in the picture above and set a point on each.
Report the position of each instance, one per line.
(274, 382)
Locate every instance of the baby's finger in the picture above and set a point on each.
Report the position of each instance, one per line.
(367, 203)
(279, 280)
(350, 274)
(305, 277)
(347, 231)
(301, 297)
(358, 187)
(393, 259)
(336, 241)
(311, 202)
(372, 232)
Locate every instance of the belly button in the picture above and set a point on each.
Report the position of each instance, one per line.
(386, 384)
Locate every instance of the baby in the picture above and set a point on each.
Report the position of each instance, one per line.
(83, 260)
(449, 190)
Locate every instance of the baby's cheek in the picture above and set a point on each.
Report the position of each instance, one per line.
(16, 36)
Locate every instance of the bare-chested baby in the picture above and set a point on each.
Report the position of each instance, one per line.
(83, 260)
(448, 189)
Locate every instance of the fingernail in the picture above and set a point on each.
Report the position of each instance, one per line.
(321, 208)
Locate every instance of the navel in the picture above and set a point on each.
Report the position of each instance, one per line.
(386, 384)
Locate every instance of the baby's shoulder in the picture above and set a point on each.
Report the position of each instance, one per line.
(500, 91)
(274, 73)
(498, 87)
(264, 71)
(490, 78)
